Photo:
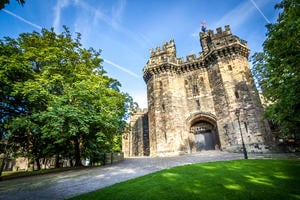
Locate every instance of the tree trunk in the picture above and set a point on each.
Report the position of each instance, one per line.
(30, 166)
(77, 153)
(38, 164)
(57, 160)
(2, 166)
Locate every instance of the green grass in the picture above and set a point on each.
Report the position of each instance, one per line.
(240, 179)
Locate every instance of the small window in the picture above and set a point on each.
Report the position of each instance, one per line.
(198, 103)
(246, 127)
(166, 138)
(201, 79)
(163, 107)
(195, 90)
(229, 67)
(236, 93)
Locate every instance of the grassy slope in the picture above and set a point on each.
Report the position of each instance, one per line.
(240, 179)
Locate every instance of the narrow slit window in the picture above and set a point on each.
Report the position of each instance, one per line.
(246, 127)
(195, 90)
(198, 103)
(236, 93)
(163, 107)
(160, 85)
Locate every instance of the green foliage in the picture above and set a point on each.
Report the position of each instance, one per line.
(277, 69)
(3, 2)
(240, 179)
(56, 98)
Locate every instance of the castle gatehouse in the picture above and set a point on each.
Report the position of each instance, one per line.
(193, 102)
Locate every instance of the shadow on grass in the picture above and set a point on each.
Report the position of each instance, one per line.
(240, 179)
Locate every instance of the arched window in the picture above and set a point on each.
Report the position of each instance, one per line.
(229, 67)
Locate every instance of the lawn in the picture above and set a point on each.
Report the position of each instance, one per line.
(239, 179)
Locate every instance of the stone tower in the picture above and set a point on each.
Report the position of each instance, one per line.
(192, 102)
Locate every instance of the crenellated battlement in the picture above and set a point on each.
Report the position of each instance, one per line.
(215, 46)
(219, 33)
(168, 49)
(221, 39)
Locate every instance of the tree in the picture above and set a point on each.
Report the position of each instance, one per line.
(3, 2)
(56, 99)
(277, 68)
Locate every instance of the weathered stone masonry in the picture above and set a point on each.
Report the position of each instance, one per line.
(192, 102)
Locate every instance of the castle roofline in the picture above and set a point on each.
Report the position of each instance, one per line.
(215, 46)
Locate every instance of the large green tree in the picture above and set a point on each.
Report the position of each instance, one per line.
(277, 68)
(55, 98)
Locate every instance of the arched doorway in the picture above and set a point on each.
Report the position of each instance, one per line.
(204, 132)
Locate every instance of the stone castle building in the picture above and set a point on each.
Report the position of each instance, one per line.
(192, 103)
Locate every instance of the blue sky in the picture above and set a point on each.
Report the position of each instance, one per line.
(126, 30)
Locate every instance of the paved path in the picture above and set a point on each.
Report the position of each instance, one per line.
(63, 185)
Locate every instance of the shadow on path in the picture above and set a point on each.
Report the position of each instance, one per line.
(63, 185)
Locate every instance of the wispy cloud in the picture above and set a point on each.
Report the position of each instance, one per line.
(40, 27)
(259, 10)
(117, 12)
(97, 13)
(237, 16)
(57, 13)
(113, 19)
(121, 68)
(22, 19)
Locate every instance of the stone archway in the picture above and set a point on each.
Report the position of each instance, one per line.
(203, 132)
(204, 135)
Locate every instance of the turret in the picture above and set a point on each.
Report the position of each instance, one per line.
(164, 54)
(223, 43)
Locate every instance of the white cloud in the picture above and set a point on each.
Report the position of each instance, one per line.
(117, 13)
(260, 11)
(121, 68)
(236, 16)
(23, 20)
(57, 13)
(97, 13)
(114, 20)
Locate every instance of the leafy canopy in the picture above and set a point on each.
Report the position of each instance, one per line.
(55, 98)
(277, 69)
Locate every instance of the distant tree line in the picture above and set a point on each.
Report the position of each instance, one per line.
(56, 99)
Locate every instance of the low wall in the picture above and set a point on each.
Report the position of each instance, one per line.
(21, 163)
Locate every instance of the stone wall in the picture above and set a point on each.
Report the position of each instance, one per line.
(135, 141)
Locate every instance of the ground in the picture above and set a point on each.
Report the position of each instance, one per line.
(71, 183)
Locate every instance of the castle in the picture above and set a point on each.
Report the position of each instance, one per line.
(193, 103)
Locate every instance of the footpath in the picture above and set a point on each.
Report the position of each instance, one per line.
(66, 184)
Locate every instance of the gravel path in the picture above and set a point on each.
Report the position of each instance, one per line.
(63, 185)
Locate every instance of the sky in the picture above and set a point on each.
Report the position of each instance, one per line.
(126, 30)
